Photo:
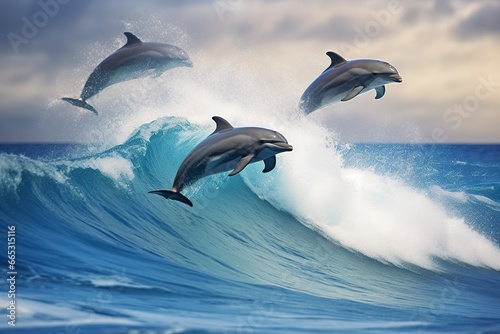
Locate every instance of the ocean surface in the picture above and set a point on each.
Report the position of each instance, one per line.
(371, 238)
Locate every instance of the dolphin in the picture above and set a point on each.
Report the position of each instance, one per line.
(133, 60)
(343, 80)
(226, 149)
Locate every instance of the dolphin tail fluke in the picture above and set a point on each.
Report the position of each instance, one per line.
(173, 195)
(79, 103)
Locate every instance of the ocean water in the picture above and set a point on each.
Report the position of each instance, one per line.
(340, 238)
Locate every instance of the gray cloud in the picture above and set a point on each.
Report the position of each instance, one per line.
(443, 7)
(338, 28)
(413, 13)
(78, 23)
(484, 21)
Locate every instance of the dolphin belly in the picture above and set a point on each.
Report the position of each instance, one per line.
(221, 164)
(130, 73)
(333, 94)
(194, 170)
(101, 79)
(263, 155)
(325, 91)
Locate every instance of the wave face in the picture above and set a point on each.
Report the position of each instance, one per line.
(373, 238)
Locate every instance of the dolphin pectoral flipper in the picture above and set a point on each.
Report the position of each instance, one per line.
(241, 164)
(270, 163)
(380, 92)
(353, 93)
(79, 103)
(173, 195)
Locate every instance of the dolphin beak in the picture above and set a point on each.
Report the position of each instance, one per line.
(188, 63)
(283, 146)
(396, 78)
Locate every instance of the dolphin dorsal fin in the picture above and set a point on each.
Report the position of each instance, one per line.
(337, 59)
(131, 39)
(222, 124)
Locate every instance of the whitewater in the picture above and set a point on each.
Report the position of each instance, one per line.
(334, 239)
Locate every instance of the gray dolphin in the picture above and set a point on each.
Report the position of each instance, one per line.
(133, 60)
(226, 149)
(343, 80)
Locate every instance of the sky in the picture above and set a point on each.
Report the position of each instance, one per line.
(446, 52)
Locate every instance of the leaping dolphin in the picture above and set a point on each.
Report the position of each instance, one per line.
(226, 149)
(344, 80)
(133, 60)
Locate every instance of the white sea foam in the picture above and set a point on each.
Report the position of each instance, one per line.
(376, 215)
(113, 166)
(458, 196)
(12, 168)
(486, 201)
(462, 197)
(45, 314)
(114, 282)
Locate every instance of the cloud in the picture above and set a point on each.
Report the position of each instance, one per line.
(485, 21)
(337, 28)
(23, 94)
(428, 11)
(284, 42)
(443, 7)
